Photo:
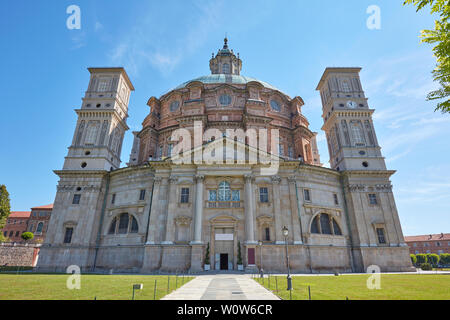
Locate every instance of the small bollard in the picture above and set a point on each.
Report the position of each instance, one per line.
(309, 292)
(168, 284)
(137, 287)
(276, 284)
(154, 290)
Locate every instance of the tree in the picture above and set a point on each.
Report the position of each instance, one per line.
(5, 209)
(421, 258)
(426, 267)
(239, 261)
(441, 37)
(27, 236)
(207, 255)
(445, 259)
(413, 259)
(433, 259)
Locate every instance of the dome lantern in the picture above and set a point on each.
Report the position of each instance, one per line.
(225, 61)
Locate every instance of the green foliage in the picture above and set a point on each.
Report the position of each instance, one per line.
(421, 258)
(433, 259)
(14, 268)
(393, 287)
(239, 259)
(5, 208)
(445, 259)
(413, 259)
(207, 255)
(441, 37)
(426, 267)
(27, 236)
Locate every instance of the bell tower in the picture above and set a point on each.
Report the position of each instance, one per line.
(348, 125)
(101, 125)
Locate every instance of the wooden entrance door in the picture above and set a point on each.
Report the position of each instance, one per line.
(224, 261)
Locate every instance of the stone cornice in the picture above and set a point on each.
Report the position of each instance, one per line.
(336, 114)
(95, 113)
(382, 173)
(81, 172)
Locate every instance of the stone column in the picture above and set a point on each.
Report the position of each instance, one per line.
(154, 213)
(295, 211)
(198, 219)
(171, 211)
(278, 217)
(249, 210)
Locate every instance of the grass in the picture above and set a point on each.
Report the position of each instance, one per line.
(354, 287)
(100, 287)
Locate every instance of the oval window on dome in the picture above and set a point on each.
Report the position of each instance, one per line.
(275, 105)
(225, 100)
(174, 106)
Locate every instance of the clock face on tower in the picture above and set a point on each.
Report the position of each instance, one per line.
(352, 104)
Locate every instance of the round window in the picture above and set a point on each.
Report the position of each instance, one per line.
(225, 100)
(275, 105)
(174, 106)
(365, 164)
(84, 165)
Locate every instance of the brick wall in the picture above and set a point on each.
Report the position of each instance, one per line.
(18, 255)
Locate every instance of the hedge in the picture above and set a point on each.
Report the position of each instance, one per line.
(421, 258)
(433, 259)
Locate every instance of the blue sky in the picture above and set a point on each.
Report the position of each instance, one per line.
(164, 43)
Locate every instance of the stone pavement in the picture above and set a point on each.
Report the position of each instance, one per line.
(222, 287)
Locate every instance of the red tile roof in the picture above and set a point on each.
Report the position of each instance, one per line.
(429, 237)
(20, 214)
(49, 206)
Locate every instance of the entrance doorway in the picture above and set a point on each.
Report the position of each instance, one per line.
(224, 261)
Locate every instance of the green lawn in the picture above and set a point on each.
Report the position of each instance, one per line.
(393, 287)
(102, 287)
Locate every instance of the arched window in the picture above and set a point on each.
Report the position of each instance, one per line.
(336, 228)
(315, 225)
(224, 191)
(134, 225)
(40, 227)
(123, 223)
(112, 227)
(325, 224)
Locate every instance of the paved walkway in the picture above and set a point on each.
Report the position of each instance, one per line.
(222, 287)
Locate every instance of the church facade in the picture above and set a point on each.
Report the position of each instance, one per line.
(222, 164)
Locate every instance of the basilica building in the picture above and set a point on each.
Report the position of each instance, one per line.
(223, 163)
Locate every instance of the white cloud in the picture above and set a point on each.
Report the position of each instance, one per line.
(98, 26)
(145, 44)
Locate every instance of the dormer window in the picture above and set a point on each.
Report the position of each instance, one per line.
(174, 106)
(225, 100)
(226, 68)
(275, 105)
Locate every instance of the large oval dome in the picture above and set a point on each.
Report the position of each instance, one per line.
(225, 78)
